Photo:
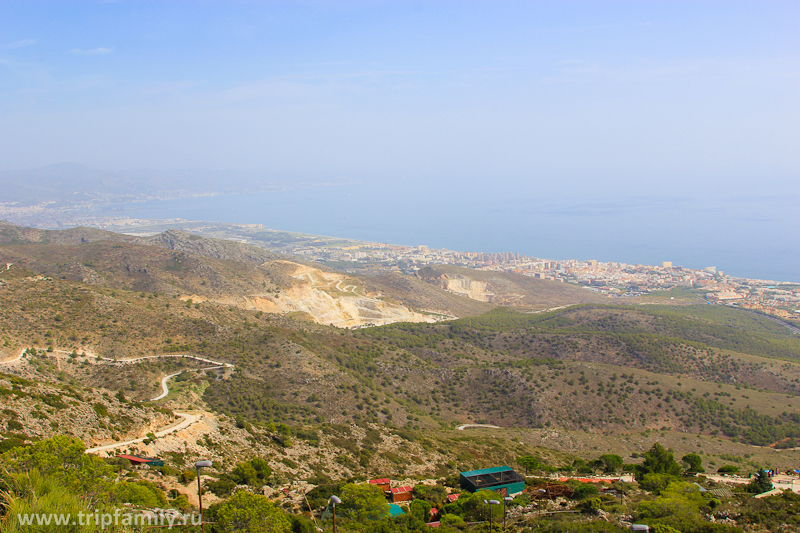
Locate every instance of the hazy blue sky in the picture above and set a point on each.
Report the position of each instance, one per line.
(565, 96)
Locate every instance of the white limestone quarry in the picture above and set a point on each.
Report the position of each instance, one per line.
(335, 299)
(476, 290)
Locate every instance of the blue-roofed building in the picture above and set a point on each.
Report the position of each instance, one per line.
(501, 479)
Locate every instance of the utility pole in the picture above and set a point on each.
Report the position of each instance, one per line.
(506, 501)
(334, 501)
(198, 465)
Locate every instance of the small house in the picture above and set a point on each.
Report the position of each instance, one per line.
(384, 484)
(142, 461)
(501, 479)
(400, 494)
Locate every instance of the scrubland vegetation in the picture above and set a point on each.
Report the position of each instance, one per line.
(316, 410)
(56, 476)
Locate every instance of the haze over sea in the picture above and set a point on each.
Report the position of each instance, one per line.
(754, 237)
(622, 131)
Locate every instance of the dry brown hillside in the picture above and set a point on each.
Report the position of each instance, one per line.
(200, 269)
(506, 288)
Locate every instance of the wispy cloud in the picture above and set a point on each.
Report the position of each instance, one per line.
(91, 51)
(18, 44)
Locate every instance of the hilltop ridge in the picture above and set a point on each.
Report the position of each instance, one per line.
(206, 269)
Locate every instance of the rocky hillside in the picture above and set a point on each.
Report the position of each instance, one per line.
(506, 288)
(205, 247)
(582, 368)
(178, 264)
(560, 378)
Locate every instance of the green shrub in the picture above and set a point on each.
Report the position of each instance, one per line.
(222, 487)
(140, 493)
(187, 476)
(181, 502)
(656, 482)
(589, 506)
(100, 409)
(585, 490)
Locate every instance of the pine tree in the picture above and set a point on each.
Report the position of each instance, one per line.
(760, 482)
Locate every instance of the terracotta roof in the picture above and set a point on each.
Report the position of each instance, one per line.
(590, 479)
(136, 459)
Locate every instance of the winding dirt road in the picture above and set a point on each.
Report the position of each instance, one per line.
(462, 427)
(14, 360)
(165, 389)
(188, 419)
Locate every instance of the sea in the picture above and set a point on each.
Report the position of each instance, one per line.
(745, 236)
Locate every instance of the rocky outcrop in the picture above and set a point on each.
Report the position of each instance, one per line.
(219, 249)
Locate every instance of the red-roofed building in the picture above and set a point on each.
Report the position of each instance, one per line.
(383, 484)
(452, 497)
(140, 461)
(400, 494)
